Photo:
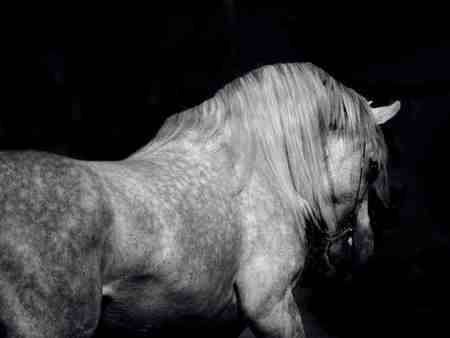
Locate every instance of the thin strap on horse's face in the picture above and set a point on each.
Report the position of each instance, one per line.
(349, 221)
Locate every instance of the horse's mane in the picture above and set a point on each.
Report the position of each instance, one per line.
(276, 119)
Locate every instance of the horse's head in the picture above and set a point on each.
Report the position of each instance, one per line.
(320, 147)
(355, 166)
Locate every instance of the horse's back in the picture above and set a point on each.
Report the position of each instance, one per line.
(51, 211)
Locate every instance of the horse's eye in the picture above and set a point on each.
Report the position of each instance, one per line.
(372, 171)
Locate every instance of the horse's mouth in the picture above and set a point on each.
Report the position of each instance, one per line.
(339, 256)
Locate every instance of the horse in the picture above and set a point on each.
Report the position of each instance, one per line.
(204, 230)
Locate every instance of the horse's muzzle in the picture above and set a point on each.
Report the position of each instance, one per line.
(351, 252)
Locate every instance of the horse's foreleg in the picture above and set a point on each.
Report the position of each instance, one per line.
(279, 318)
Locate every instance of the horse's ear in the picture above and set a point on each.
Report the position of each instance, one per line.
(385, 113)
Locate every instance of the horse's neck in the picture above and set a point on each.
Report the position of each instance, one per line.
(186, 148)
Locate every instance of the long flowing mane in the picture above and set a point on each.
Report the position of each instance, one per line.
(276, 119)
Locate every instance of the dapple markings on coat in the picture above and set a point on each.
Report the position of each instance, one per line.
(204, 229)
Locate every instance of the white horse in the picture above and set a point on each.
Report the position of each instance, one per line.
(204, 230)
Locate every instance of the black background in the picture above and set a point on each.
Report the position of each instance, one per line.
(97, 84)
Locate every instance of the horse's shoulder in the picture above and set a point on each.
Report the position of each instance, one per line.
(271, 233)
